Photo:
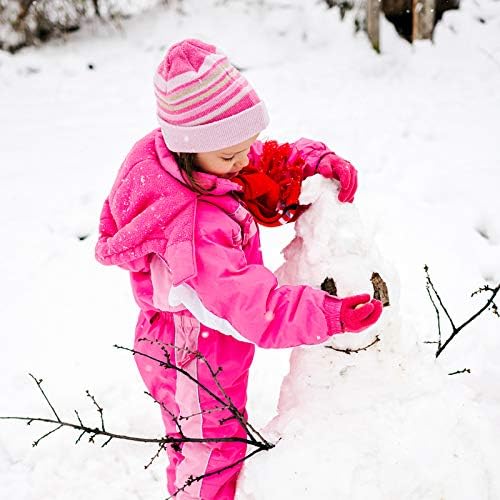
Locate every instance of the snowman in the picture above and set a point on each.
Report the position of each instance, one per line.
(370, 414)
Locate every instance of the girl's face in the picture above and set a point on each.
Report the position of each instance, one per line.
(225, 162)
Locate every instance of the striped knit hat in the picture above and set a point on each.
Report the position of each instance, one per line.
(203, 102)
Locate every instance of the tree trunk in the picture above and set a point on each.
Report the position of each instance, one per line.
(423, 14)
(372, 19)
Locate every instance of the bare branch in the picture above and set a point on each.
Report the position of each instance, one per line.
(460, 371)
(225, 404)
(35, 443)
(168, 364)
(349, 351)
(106, 442)
(472, 318)
(431, 284)
(202, 412)
(168, 439)
(174, 418)
(155, 456)
(79, 419)
(99, 409)
(192, 479)
(437, 314)
(39, 384)
(250, 430)
(80, 437)
(490, 303)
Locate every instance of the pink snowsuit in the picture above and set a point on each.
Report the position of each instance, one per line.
(198, 277)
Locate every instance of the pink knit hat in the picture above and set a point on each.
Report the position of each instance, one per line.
(203, 102)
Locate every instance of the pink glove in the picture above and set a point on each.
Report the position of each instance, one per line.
(330, 165)
(355, 319)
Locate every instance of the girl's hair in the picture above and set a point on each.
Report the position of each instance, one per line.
(187, 165)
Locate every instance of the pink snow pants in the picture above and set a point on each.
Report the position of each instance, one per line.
(183, 397)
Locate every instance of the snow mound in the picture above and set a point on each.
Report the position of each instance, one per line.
(383, 423)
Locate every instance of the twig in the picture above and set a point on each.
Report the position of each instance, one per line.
(80, 437)
(456, 330)
(35, 443)
(437, 314)
(98, 432)
(79, 419)
(169, 364)
(192, 479)
(228, 403)
(431, 284)
(460, 371)
(472, 318)
(253, 437)
(202, 412)
(39, 384)
(106, 442)
(349, 351)
(155, 456)
(172, 416)
(250, 430)
(99, 409)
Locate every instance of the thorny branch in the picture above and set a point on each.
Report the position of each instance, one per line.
(254, 438)
(490, 304)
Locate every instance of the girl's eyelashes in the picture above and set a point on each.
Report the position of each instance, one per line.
(228, 159)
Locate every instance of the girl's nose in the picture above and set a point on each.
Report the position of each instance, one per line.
(243, 163)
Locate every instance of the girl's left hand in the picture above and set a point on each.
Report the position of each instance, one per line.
(333, 166)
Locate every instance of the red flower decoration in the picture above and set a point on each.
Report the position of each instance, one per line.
(271, 186)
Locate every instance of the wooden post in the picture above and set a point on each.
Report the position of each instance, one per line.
(423, 16)
(372, 20)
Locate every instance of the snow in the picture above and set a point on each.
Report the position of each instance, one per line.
(421, 123)
(387, 422)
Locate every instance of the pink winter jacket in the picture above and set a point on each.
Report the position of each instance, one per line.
(202, 252)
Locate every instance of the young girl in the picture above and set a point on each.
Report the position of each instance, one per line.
(179, 218)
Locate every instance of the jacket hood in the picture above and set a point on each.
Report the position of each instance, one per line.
(150, 209)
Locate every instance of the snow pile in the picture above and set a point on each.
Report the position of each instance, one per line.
(384, 423)
(419, 122)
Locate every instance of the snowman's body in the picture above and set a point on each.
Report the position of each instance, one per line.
(386, 423)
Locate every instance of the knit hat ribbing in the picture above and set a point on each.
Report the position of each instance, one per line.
(203, 102)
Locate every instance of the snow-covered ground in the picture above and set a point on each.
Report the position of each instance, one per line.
(421, 123)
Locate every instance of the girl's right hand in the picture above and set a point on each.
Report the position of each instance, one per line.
(359, 312)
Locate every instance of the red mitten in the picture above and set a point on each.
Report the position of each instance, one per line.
(356, 319)
(341, 170)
